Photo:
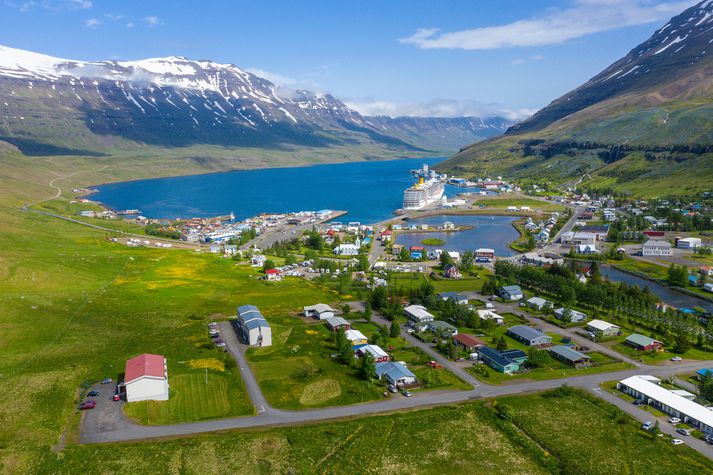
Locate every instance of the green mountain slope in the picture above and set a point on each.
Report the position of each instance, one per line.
(650, 111)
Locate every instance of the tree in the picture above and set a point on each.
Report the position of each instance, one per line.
(290, 259)
(681, 345)
(394, 330)
(310, 254)
(344, 348)
(367, 368)
(268, 264)
(367, 311)
(445, 259)
(538, 358)
(594, 273)
(404, 255)
(467, 259)
(315, 241)
(502, 344)
(706, 386)
(345, 310)
(567, 315)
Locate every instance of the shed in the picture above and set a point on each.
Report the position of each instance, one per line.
(570, 356)
(146, 378)
(321, 311)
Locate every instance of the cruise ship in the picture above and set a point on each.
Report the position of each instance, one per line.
(423, 193)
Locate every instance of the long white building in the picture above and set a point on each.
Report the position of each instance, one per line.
(255, 329)
(647, 388)
(146, 378)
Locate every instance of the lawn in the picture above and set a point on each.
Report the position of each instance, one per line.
(543, 435)
(194, 396)
(502, 203)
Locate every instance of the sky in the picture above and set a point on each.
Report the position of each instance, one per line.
(396, 57)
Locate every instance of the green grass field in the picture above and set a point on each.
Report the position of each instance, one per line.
(502, 203)
(567, 434)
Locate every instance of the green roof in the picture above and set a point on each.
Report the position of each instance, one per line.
(640, 340)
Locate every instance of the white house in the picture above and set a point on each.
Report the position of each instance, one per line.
(537, 302)
(574, 315)
(418, 314)
(376, 352)
(321, 311)
(395, 374)
(258, 260)
(689, 243)
(602, 328)
(146, 378)
(654, 247)
(346, 250)
(488, 315)
(708, 287)
(255, 329)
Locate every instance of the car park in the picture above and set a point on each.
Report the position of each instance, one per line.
(685, 432)
(676, 441)
(675, 420)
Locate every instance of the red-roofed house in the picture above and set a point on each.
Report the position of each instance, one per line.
(272, 274)
(146, 378)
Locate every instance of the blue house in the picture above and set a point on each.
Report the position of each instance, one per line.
(703, 372)
(417, 255)
(508, 362)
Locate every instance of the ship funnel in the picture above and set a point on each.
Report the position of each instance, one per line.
(420, 181)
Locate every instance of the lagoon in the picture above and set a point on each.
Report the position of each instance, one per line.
(369, 191)
(494, 232)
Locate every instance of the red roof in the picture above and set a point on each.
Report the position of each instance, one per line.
(144, 365)
(468, 340)
(272, 271)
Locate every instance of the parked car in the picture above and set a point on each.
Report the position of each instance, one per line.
(676, 358)
(648, 425)
(685, 432)
(393, 389)
(87, 405)
(489, 305)
(675, 420)
(93, 393)
(639, 402)
(676, 441)
(117, 397)
(407, 393)
(107, 381)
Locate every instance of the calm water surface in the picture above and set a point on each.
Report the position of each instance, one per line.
(370, 191)
(494, 232)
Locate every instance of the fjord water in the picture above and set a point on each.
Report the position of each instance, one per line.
(370, 191)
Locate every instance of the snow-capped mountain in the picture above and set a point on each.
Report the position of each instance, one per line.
(682, 45)
(172, 101)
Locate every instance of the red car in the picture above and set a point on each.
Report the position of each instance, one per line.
(116, 397)
(87, 405)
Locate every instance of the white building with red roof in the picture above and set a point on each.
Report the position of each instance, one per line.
(146, 378)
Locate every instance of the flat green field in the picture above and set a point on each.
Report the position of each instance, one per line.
(501, 203)
(568, 434)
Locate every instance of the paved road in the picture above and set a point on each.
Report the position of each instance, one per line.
(237, 349)
(664, 425)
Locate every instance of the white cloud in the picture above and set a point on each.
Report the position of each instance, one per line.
(152, 20)
(92, 23)
(436, 108)
(275, 78)
(131, 24)
(554, 26)
(114, 17)
(53, 5)
(519, 61)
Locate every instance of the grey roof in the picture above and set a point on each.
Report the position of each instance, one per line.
(568, 353)
(441, 325)
(511, 289)
(525, 332)
(393, 370)
(336, 321)
(452, 295)
(256, 323)
(245, 309)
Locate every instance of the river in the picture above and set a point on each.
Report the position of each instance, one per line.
(369, 191)
(666, 294)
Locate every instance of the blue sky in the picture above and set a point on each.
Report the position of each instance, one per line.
(397, 57)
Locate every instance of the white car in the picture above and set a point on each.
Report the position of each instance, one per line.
(676, 441)
(676, 358)
(675, 420)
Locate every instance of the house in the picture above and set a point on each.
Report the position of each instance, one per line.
(346, 250)
(418, 314)
(253, 326)
(451, 272)
(146, 378)
(669, 402)
(484, 254)
(706, 270)
(458, 298)
(708, 287)
(320, 311)
(528, 335)
(379, 355)
(688, 243)
(573, 315)
(468, 342)
(387, 235)
(600, 231)
(272, 274)
(507, 362)
(570, 356)
(702, 373)
(600, 328)
(455, 255)
(643, 343)
(535, 259)
(537, 303)
(337, 323)
(654, 247)
(395, 374)
(511, 292)
(490, 315)
(586, 249)
(583, 238)
(356, 338)
(441, 328)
